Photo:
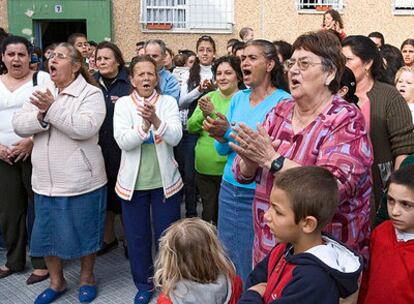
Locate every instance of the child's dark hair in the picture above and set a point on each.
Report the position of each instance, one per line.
(72, 38)
(404, 177)
(312, 191)
(348, 80)
(239, 45)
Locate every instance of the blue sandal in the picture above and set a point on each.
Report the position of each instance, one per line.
(143, 297)
(87, 293)
(49, 295)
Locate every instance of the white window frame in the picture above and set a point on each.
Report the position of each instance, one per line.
(403, 7)
(318, 6)
(194, 12)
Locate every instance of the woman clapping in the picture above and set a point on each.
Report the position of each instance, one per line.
(146, 127)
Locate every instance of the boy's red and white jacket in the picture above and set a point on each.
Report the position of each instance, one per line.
(320, 275)
(222, 291)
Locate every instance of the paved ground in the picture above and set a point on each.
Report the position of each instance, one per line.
(115, 285)
(111, 270)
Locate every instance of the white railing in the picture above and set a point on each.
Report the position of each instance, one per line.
(319, 5)
(187, 15)
(403, 7)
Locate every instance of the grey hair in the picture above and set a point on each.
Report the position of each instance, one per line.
(161, 44)
(76, 58)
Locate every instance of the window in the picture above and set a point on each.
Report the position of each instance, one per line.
(318, 5)
(187, 15)
(403, 7)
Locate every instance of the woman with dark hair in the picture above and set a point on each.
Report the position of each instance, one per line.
(68, 177)
(16, 86)
(393, 61)
(407, 50)
(386, 113)
(147, 127)
(199, 82)
(314, 128)
(263, 74)
(332, 20)
(283, 49)
(209, 164)
(113, 79)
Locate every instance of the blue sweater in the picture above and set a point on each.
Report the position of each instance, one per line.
(169, 84)
(241, 111)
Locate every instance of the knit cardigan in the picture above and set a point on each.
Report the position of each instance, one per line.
(130, 136)
(391, 132)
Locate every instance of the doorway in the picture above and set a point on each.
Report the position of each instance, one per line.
(52, 31)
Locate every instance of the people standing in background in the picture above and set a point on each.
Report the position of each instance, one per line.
(113, 79)
(209, 165)
(230, 44)
(393, 61)
(79, 41)
(246, 34)
(183, 61)
(168, 60)
(156, 49)
(199, 83)
(332, 20)
(377, 38)
(407, 50)
(139, 48)
(404, 82)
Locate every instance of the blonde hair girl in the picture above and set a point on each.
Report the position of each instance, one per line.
(190, 258)
(404, 82)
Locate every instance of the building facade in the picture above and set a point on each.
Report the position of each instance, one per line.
(180, 22)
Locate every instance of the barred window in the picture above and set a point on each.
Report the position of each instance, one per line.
(318, 5)
(403, 7)
(187, 15)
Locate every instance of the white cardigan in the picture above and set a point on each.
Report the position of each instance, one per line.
(129, 135)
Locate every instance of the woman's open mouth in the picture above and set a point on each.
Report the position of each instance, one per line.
(52, 70)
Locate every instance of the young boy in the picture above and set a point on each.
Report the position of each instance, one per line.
(306, 266)
(390, 276)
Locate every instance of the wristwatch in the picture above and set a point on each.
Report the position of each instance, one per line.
(277, 164)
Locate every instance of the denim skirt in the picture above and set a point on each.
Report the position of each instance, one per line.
(235, 226)
(68, 227)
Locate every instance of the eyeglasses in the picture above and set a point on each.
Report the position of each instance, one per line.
(303, 63)
(59, 56)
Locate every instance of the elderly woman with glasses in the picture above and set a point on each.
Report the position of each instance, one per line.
(68, 177)
(314, 127)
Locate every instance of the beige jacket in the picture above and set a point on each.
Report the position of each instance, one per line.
(66, 158)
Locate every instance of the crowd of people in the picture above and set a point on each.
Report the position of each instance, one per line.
(300, 154)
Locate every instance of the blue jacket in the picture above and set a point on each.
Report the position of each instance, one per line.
(110, 150)
(320, 275)
(169, 84)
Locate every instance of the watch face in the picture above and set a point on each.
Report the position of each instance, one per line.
(277, 164)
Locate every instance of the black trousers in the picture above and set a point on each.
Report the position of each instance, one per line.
(15, 194)
(209, 188)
